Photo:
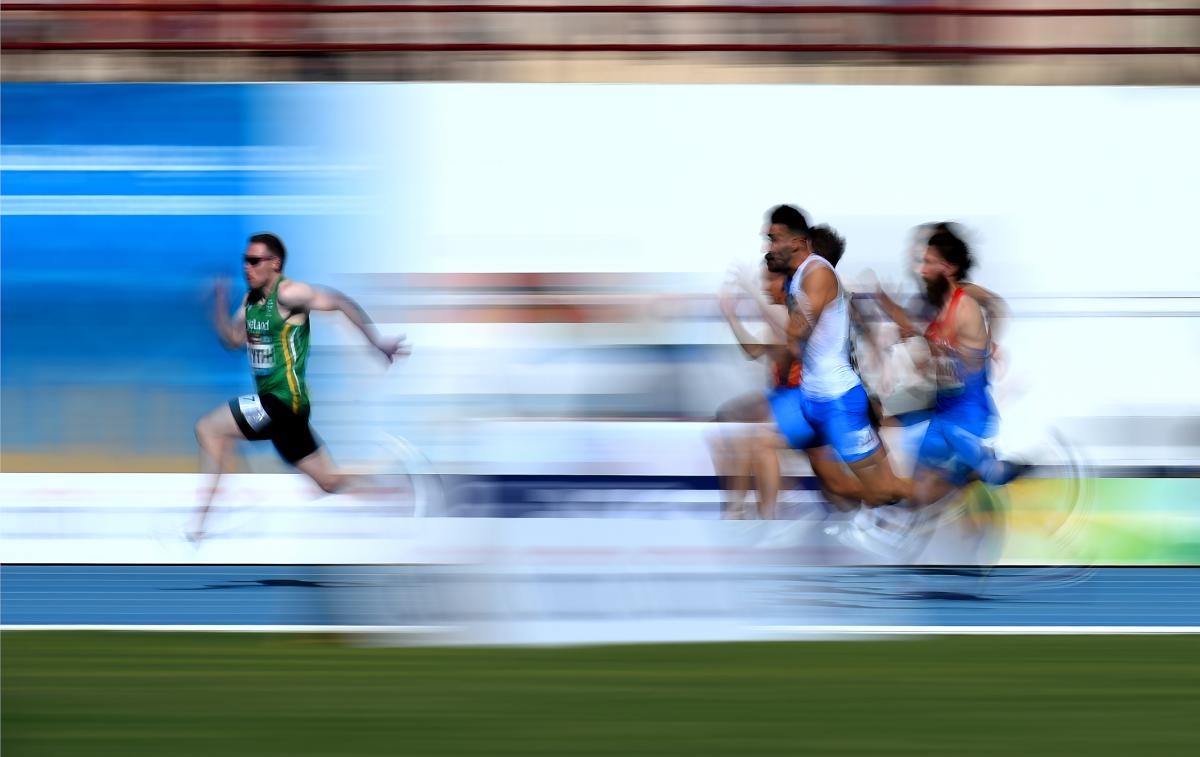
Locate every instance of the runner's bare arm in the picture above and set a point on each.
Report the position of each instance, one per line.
(298, 296)
(820, 288)
(231, 330)
(898, 315)
(994, 306)
(751, 346)
(775, 317)
(971, 332)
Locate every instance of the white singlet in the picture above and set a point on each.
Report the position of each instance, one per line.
(827, 371)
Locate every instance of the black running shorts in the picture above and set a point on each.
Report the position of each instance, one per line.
(265, 416)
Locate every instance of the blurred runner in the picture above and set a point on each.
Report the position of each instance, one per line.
(961, 346)
(273, 324)
(893, 355)
(831, 407)
(734, 452)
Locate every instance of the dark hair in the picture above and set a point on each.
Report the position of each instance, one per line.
(791, 217)
(827, 243)
(273, 244)
(952, 248)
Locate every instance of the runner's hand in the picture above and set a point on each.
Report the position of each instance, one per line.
(220, 288)
(393, 347)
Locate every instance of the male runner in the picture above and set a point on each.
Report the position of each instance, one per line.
(953, 447)
(273, 324)
(830, 407)
(891, 365)
(733, 454)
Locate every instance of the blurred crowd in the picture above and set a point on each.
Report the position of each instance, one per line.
(302, 29)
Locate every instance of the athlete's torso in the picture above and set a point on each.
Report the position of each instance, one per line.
(826, 357)
(278, 351)
(959, 381)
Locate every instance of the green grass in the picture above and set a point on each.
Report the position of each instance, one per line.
(231, 694)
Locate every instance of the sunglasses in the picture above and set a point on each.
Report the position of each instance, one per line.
(253, 260)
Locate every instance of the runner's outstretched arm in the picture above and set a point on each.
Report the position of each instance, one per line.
(753, 348)
(297, 296)
(898, 314)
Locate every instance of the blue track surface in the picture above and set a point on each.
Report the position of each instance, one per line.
(340, 595)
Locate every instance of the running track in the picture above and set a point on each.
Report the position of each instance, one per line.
(341, 595)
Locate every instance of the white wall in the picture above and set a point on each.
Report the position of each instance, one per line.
(1062, 183)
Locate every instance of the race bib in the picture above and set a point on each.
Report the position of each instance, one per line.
(253, 412)
(262, 357)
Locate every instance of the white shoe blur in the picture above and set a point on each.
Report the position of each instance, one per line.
(885, 532)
